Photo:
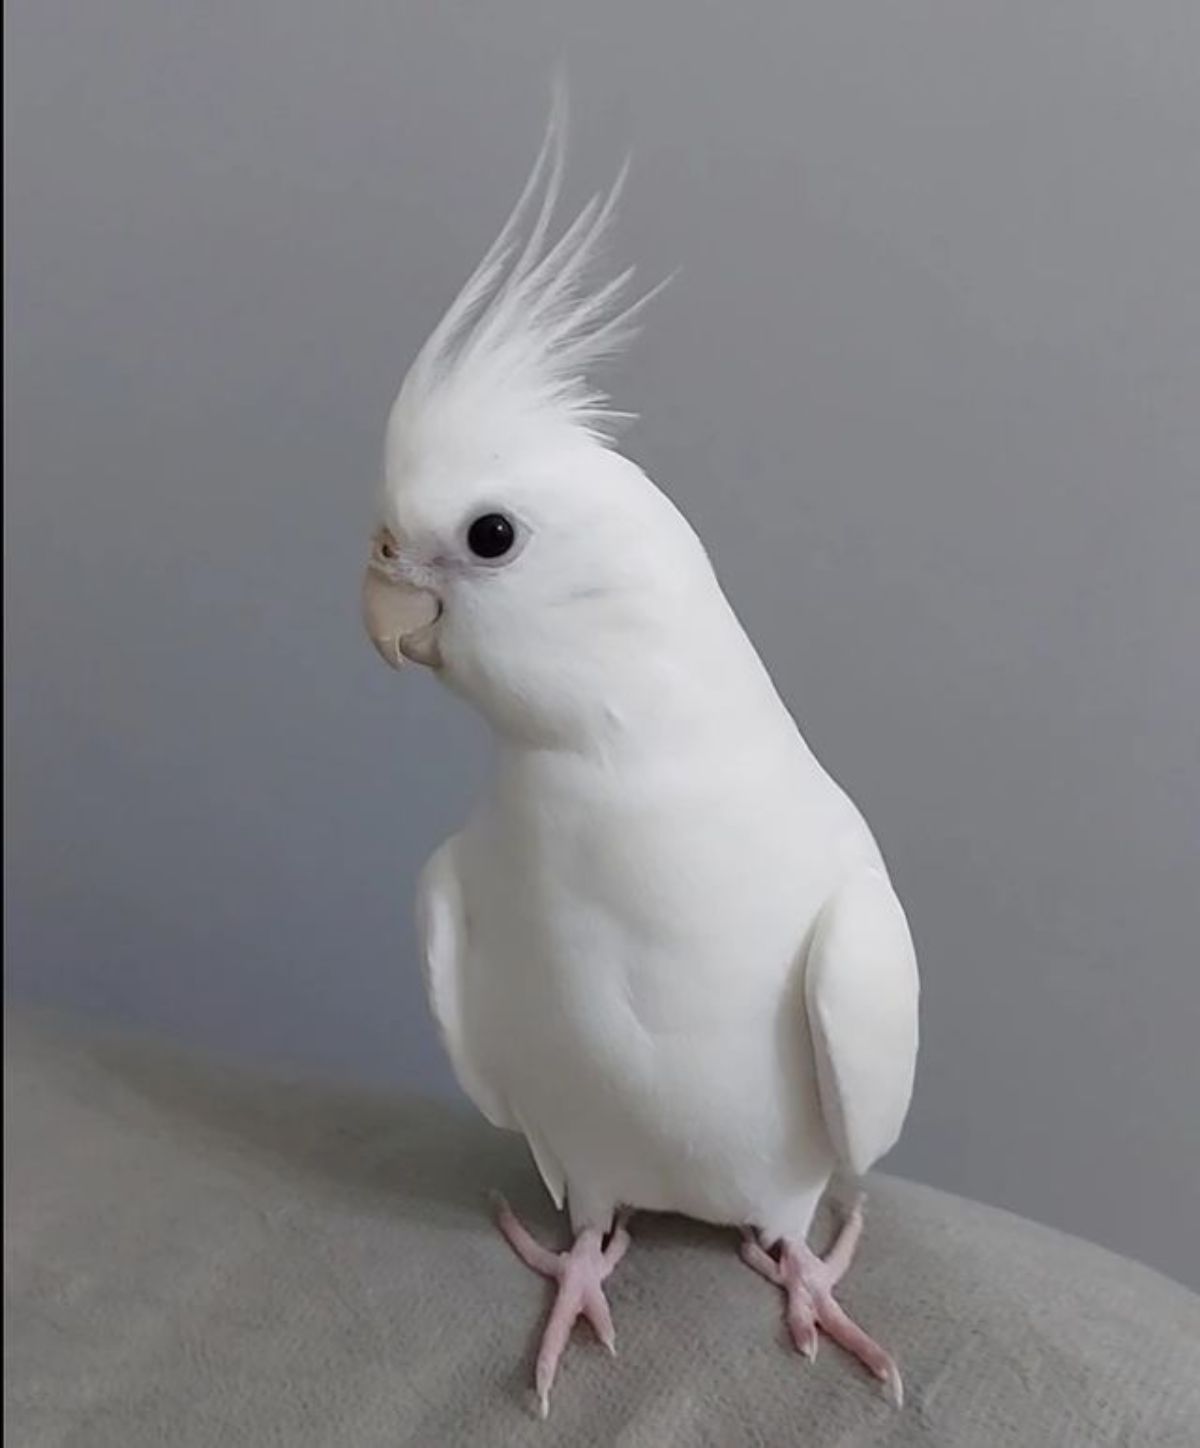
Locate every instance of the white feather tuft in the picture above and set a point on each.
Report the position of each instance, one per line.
(521, 340)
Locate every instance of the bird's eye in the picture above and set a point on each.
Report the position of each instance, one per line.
(491, 536)
(386, 548)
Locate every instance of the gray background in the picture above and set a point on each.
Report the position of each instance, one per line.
(927, 384)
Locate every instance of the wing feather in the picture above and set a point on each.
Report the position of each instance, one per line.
(441, 924)
(862, 990)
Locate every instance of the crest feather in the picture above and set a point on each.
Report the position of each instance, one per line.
(521, 339)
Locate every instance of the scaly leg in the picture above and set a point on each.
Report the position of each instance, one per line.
(579, 1274)
(808, 1282)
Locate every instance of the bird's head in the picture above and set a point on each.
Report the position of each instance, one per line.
(538, 571)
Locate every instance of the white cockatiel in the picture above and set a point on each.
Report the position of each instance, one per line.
(665, 947)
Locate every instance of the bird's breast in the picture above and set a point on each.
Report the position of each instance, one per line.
(626, 921)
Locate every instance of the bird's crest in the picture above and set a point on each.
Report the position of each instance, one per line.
(520, 342)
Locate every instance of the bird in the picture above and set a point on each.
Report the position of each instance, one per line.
(665, 947)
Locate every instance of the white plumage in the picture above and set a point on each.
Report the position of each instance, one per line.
(664, 947)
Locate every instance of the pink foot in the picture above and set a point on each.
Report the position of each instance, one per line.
(579, 1274)
(809, 1282)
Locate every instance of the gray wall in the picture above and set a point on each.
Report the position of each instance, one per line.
(927, 384)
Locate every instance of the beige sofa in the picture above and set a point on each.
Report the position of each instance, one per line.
(196, 1259)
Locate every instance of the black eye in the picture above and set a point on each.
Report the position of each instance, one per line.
(490, 536)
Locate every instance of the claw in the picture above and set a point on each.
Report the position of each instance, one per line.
(595, 1309)
(806, 1343)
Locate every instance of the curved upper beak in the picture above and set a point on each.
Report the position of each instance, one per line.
(401, 620)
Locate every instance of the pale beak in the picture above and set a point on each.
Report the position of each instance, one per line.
(401, 620)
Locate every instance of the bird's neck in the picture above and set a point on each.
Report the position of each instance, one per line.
(689, 680)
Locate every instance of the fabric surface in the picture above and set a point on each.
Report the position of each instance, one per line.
(195, 1259)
